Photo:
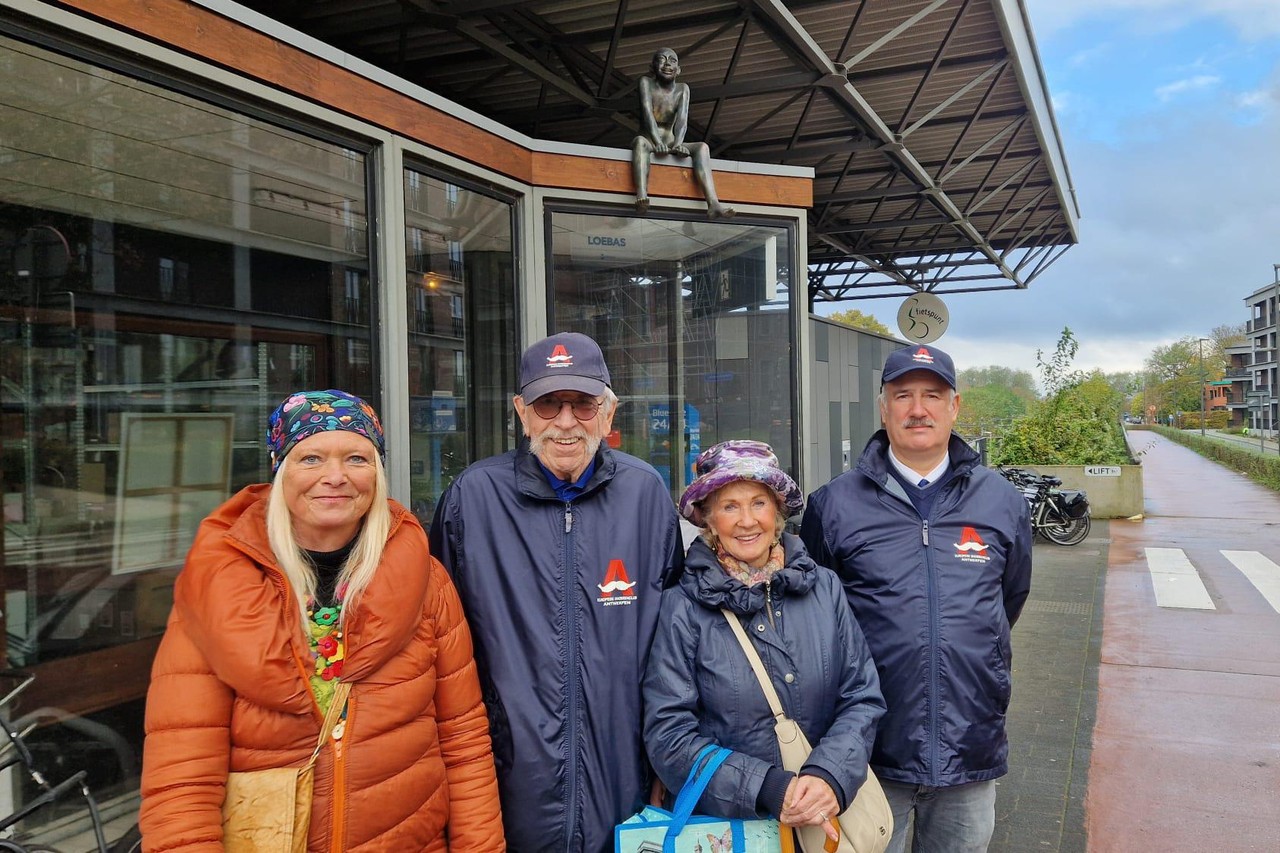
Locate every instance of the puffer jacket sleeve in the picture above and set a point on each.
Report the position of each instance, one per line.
(187, 751)
(845, 749)
(671, 706)
(475, 816)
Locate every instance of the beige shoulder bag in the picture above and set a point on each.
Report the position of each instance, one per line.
(269, 811)
(867, 824)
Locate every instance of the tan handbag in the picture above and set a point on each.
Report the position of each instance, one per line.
(269, 811)
(867, 824)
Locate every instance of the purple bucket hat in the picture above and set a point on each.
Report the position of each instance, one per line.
(734, 460)
(305, 413)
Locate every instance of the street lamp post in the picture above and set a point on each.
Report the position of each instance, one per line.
(1200, 343)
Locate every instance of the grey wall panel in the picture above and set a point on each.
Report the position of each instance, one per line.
(844, 381)
(835, 416)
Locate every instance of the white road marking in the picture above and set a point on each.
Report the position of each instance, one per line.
(1261, 572)
(1175, 580)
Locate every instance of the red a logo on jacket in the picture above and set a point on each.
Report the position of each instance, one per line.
(618, 588)
(971, 542)
(616, 580)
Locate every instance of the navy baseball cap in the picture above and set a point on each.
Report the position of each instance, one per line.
(919, 357)
(568, 361)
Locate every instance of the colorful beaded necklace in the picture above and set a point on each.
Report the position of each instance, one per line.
(324, 633)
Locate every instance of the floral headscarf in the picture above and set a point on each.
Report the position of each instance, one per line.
(305, 413)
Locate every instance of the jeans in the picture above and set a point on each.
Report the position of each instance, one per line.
(959, 819)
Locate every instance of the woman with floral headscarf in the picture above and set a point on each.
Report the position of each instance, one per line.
(699, 688)
(289, 590)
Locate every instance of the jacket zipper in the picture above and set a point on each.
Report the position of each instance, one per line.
(571, 647)
(339, 783)
(932, 581)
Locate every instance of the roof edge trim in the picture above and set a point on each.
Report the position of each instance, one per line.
(1012, 17)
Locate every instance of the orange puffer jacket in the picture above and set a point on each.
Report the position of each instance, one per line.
(229, 692)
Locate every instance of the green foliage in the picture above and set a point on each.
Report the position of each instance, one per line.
(1056, 372)
(987, 407)
(1176, 372)
(1264, 470)
(1077, 424)
(855, 318)
(1213, 420)
(1020, 382)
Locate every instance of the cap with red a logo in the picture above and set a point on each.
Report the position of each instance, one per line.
(919, 357)
(567, 361)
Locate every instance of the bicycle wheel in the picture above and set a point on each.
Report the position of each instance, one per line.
(131, 842)
(1069, 531)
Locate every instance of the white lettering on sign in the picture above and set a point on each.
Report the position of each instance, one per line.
(1102, 470)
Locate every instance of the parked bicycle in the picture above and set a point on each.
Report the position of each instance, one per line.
(1059, 515)
(15, 751)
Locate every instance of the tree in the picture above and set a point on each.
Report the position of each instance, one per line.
(1056, 372)
(856, 319)
(1020, 382)
(1078, 422)
(988, 407)
(1174, 375)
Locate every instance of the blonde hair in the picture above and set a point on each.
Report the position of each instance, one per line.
(361, 564)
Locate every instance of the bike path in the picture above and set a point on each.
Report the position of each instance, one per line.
(1186, 749)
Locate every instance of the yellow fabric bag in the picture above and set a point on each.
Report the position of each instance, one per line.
(269, 811)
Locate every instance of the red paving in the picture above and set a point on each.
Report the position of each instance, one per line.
(1186, 749)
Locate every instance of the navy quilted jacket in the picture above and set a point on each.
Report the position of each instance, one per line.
(699, 688)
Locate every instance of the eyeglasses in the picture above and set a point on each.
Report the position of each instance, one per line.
(548, 408)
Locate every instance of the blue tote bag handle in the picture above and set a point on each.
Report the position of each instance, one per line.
(699, 777)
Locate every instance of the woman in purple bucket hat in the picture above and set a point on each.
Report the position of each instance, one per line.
(699, 688)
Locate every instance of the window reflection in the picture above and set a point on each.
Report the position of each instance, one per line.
(461, 314)
(694, 321)
(171, 270)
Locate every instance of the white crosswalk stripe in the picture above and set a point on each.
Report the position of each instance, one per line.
(1261, 572)
(1175, 580)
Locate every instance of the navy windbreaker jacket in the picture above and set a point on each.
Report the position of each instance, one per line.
(936, 599)
(560, 658)
(700, 689)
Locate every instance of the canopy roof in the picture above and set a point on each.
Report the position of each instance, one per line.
(937, 163)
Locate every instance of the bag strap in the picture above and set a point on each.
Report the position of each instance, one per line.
(775, 704)
(694, 786)
(337, 707)
(757, 665)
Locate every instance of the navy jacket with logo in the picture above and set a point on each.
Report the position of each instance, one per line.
(936, 599)
(561, 660)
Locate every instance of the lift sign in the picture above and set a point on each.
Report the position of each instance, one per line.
(1102, 470)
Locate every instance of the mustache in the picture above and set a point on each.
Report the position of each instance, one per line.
(615, 586)
(918, 422)
(552, 433)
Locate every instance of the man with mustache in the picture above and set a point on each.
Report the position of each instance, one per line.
(559, 550)
(934, 551)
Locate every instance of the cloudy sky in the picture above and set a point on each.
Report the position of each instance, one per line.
(1170, 115)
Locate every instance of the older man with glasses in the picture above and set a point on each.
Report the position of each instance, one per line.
(559, 550)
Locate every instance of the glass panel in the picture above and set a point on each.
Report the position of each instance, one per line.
(462, 331)
(173, 270)
(694, 321)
